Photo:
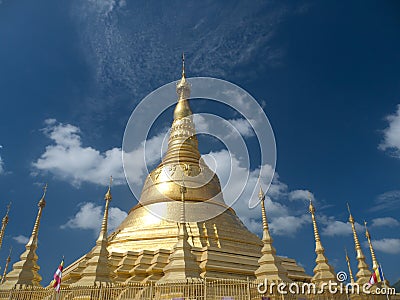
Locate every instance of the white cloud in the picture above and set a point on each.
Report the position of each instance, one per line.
(303, 195)
(338, 228)
(391, 246)
(289, 225)
(69, 160)
(388, 201)
(243, 126)
(90, 216)
(21, 239)
(221, 128)
(387, 221)
(138, 163)
(201, 123)
(115, 218)
(391, 135)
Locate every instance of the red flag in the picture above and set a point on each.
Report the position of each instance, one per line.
(377, 276)
(57, 277)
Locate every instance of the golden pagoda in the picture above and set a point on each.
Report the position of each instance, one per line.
(270, 265)
(363, 273)
(323, 271)
(25, 271)
(97, 269)
(181, 241)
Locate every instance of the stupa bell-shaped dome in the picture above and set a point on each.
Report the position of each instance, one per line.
(182, 162)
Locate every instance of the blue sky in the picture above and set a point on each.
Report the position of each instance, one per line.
(326, 73)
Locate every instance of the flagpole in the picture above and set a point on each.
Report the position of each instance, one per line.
(384, 282)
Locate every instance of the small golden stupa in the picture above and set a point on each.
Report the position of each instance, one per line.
(323, 271)
(363, 275)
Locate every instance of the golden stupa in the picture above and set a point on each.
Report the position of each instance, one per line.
(169, 245)
(176, 243)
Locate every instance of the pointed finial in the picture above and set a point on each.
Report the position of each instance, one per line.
(183, 64)
(5, 219)
(8, 207)
(182, 109)
(108, 195)
(4, 223)
(311, 207)
(9, 253)
(42, 201)
(351, 219)
(44, 190)
(261, 195)
(103, 232)
(368, 236)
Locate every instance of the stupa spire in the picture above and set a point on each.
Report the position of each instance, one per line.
(4, 223)
(182, 142)
(323, 271)
(97, 270)
(182, 109)
(270, 266)
(375, 264)
(182, 262)
(261, 196)
(349, 267)
(3, 278)
(363, 273)
(104, 223)
(41, 205)
(183, 64)
(25, 271)
(182, 157)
